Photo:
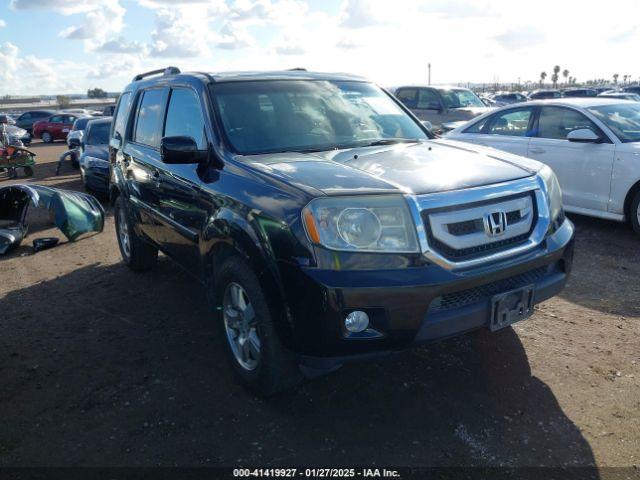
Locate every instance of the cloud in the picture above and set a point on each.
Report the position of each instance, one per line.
(521, 37)
(360, 14)
(63, 6)
(2, 23)
(23, 74)
(233, 37)
(457, 9)
(179, 34)
(120, 45)
(98, 23)
(347, 43)
(107, 70)
(290, 46)
(625, 35)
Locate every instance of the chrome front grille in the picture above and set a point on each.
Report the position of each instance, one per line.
(465, 228)
(464, 231)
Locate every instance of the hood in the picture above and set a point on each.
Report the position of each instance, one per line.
(97, 151)
(427, 167)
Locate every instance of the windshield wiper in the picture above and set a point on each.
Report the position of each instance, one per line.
(389, 141)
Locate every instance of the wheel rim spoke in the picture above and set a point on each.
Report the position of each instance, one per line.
(240, 325)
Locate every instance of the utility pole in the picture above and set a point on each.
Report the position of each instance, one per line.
(429, 67)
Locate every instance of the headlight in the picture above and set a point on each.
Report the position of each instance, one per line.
(93, 162)
(554, 194)
(364, 223)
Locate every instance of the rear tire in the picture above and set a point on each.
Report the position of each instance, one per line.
(136, 253)
(28, 171)
(46, 137)
(634, 213)
(268, 368)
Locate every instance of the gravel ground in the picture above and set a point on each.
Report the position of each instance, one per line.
(103, 367)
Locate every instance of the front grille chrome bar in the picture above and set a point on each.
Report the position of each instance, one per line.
(489, 193)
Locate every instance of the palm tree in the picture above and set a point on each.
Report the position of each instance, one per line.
(615, 78)
(565, 74)
(543, 75)
(554, 77)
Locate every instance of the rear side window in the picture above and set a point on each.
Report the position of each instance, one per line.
(121, 117)
(428, 99)
(56, 119)
(557, 122)
(147, 131)
(408, 96)
(184, 117)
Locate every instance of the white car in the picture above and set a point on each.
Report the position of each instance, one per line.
(592, 144)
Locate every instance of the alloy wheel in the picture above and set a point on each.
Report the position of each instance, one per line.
(123, 234)
(240, 324)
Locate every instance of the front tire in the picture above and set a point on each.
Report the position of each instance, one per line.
(136, 253)
(252, 344)
(634, 213)
(46, 137)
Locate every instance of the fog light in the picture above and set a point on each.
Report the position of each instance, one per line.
(356, 321)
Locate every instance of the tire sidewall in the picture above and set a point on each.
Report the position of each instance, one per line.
(121, 209)
(633, 214)
(46, 137)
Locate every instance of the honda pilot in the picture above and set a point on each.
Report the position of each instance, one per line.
(324, 220)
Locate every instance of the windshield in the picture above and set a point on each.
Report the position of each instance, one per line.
(98, 133)
(623, 119)
(309, 115)
(458, 98)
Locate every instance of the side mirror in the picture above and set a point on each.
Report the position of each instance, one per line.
(583, 135)
(179, 150)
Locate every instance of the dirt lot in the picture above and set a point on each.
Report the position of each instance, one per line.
(101, 366)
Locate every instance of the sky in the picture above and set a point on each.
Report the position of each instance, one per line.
(68, 46)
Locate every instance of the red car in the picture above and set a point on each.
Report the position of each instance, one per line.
(54, 127)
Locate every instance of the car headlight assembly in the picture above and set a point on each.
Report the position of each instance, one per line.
(554, 196)
(361, 224)
(94, 162)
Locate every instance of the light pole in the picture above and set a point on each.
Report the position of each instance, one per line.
(429, 77)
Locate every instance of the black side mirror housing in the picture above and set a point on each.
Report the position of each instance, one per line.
(180, 150)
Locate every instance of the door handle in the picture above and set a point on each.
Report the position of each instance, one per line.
(537, 150)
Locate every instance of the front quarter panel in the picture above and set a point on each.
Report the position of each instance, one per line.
(625, 174)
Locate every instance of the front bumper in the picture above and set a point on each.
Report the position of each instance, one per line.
(415, 305)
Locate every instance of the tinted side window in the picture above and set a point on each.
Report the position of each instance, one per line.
(25, 116)
(184, 117)
(69, 119)
(147, 129)
(407, 96)
(428, 99)
(514, 123)
(557, 122)
(56, 119)
(121, 117)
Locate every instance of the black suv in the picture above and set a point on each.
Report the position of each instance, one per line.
(324, 220)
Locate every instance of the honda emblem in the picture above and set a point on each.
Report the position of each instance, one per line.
(495, 223)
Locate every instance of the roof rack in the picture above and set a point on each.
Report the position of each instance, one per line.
(163, 71)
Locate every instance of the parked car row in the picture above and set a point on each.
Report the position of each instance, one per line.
(52, 124)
